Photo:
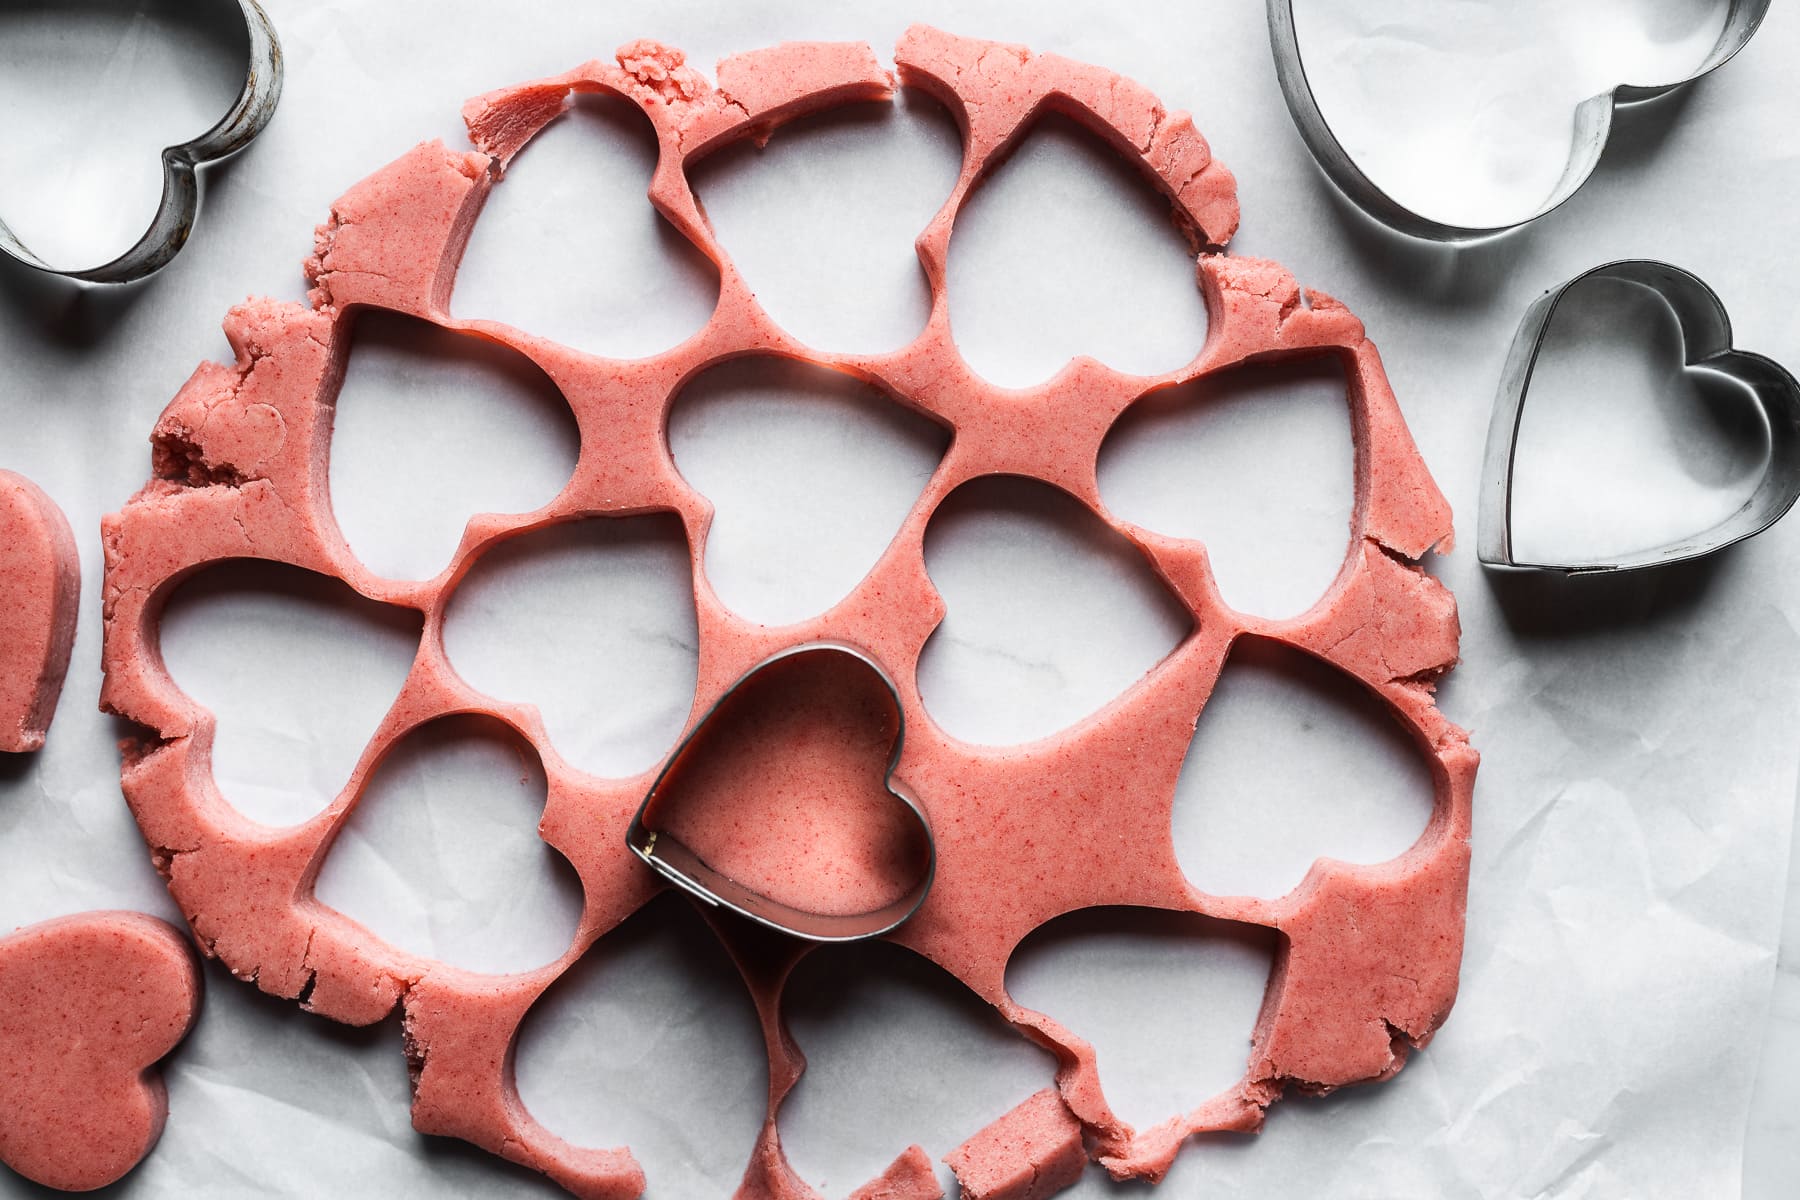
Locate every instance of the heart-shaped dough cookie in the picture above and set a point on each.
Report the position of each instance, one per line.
(89, 1005)
(782, 806)
(40, 586)
(179, 207)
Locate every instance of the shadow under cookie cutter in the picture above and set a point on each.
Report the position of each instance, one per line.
(180, 203)
(1593, 124)
(678, 862)
(1706, 340)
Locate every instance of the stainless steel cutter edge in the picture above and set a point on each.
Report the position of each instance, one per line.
(1593, 123)
(180, 203)
(692, 874)
(1706, 337)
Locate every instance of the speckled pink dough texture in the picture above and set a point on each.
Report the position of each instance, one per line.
(40, 589)
(88, 1006)
(909, 1177)
(783, 789)
(1369, 954)
(1032, 1152)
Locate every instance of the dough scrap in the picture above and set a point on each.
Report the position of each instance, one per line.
(908, 1177)
(1370, 955)
(1031, 1153)
(89, 1005)
(40, 591)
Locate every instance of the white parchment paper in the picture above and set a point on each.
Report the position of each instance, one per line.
(1641, 738)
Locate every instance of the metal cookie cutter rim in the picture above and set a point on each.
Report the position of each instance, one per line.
(680, 865)
(180, 202)
(1706, 338)
(1593, 124)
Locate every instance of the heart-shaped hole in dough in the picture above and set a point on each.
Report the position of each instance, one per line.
(1066, 249)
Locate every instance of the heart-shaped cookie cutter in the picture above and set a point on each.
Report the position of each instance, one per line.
(180, 203)
(1706, 338)
(678, 863)
(1593, 124)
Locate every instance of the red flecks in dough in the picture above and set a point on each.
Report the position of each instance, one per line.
(88, 1006)
(996, 90)
(1369, 957)
(1032, 1152)
(660, 73)
(783, 788)
(40, 587)
(403, 227)
(757, 91)
(909, 1177)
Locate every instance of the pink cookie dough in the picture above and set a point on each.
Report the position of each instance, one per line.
(783, 789)
(40, 590)
(1367, 969)
(909, 1177)
(89, 1005)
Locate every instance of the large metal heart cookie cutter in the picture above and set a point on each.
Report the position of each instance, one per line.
(681, 865)
(180, 203)
(1593, 123)
(1706, 336)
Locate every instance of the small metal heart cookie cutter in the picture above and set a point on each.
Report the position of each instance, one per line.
(1593, 123)
(180, 203)
(1706, 338)
(679, 864)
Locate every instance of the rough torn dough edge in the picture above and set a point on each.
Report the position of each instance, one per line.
(241, 455)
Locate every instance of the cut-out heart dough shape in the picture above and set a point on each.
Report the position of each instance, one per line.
(89, 1005)
(1593, 123)
(1706, 341)
(781, 805)
(40, 590)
